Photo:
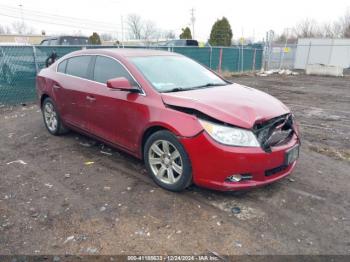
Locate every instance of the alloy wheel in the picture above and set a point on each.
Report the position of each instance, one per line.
(50, 116)
(165, 161)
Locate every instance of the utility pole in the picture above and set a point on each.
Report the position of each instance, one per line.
(122, 22)
(21, 8)
(193, 20)
(284, 49)
(22, 18)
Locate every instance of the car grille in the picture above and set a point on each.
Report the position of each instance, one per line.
(275, 170)
(274, 132)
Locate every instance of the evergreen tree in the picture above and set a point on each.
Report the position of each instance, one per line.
(186, 33)
(221, 33)
(94, 39)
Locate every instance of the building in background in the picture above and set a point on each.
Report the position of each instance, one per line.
(326, 51)
(21, 39)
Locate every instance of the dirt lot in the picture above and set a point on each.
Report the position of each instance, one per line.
(69, 196)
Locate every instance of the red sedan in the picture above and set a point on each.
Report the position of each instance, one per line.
(188, 124)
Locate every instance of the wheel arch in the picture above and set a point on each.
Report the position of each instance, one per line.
(153, 129)
(147, 133)
(42, 98)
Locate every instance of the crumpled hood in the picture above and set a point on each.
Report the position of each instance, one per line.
(233, 104)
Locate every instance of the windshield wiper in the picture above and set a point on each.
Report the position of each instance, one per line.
(175, 89)
(178, 89)
(209, 85)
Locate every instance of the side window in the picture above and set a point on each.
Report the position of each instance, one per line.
(179, 42)
(45, 42)
(108, 68)
(78, 66)
(62, 66)
(54, 41)
(64, 41)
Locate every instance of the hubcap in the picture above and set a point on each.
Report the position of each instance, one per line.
(50, 117)
(165, 161)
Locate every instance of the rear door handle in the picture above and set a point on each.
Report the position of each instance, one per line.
(90, 98)
(56, 86)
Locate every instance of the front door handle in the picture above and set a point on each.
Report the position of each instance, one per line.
(90, 98)
(56, 86)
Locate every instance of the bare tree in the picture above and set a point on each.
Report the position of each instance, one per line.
(328, 30)
(337, 30)
(5, 30)
(169, 35)
(307, 28)
(288, 36)
(134, 23)
(347, 32)
(106, 37)
(310, 28)
(149, 30)
(345, 22)
(22, 28)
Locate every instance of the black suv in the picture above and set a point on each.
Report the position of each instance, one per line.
(66, 40)
(182, 42)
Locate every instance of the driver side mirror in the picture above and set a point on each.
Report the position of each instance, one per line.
(122, 84)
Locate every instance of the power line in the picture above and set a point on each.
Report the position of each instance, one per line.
(41, 17)
(53, 16)
(60, 24)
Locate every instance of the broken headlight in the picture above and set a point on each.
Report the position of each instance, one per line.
(231, 136)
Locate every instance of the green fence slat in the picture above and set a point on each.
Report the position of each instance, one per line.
(18, 65)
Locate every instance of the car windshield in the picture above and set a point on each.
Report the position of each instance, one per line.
(70, 40)
(175, 73)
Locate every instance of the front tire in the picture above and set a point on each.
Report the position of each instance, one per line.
(167, 161)
(52, 119)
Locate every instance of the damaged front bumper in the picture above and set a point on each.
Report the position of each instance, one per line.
(213, 163)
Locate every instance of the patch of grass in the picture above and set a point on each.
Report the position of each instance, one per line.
(331, 152)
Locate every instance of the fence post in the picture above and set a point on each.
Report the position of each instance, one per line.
(210, 56)
(220, 61)
(265, 57)
(269, 56)
(308, 55)
(254, 58)
(35, 60)
(281, 58)
(242, 60)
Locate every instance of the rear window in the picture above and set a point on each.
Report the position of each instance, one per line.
(71, 40)
(78, 66)
(191, 42)
(62, 67)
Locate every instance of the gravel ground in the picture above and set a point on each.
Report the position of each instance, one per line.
(73, 195)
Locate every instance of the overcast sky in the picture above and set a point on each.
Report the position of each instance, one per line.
(253, 18)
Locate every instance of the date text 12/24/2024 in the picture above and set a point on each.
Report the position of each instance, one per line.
(174, 258)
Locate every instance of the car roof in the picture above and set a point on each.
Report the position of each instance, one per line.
(124, 52)
(62, 36)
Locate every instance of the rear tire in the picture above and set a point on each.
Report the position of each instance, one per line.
(167, 161)
(52, 120)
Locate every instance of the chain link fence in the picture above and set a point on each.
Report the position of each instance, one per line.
(308, 51)
(20, 64)
(279, 56)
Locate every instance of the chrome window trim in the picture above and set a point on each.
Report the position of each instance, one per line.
(143, 93)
